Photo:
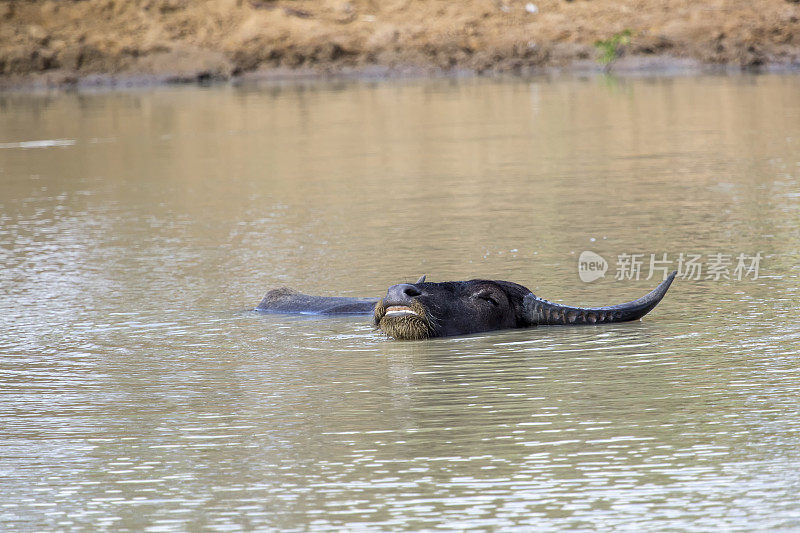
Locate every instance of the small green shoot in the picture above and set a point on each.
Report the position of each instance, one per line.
(610, 48)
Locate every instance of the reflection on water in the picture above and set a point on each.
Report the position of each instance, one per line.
(137, 228)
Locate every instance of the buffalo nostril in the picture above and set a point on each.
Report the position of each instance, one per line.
(402, 293)
(411, 292)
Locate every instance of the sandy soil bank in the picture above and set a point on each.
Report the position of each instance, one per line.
(57, 42)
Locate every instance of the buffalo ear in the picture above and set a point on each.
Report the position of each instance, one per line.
(421, 280)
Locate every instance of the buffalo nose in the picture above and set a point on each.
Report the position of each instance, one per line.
(402, 293)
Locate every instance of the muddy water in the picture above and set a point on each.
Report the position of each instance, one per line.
(137, 392)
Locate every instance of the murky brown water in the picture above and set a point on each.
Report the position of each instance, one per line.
(138, 393)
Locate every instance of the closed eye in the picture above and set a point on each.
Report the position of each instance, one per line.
(488, 298)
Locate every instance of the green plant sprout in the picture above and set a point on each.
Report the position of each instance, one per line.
(610, 48)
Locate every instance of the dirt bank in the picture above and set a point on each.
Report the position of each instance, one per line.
(63, 41)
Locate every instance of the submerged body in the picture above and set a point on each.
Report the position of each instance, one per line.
(286, 300)
(424, 309)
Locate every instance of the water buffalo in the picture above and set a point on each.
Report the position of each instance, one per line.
(423, 309)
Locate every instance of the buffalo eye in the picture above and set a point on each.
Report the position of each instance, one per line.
(486, 296)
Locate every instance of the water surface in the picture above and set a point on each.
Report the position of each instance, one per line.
(137, 392)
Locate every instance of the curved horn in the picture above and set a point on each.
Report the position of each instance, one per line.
(541, 312)
(421, 280)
